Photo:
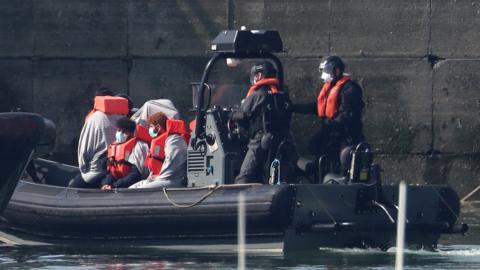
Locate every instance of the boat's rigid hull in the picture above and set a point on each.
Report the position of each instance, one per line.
(304, 216)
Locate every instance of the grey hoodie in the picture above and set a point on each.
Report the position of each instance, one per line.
(97, 133)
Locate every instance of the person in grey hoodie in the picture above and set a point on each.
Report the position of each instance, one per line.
(97, 134)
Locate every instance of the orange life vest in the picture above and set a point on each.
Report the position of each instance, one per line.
(109, 105)
(118, 154)
(192, 125)
(141, 133)
(270, 82)
(156, 155)
(328, 98)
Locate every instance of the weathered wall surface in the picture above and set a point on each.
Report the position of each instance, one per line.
(417, 60)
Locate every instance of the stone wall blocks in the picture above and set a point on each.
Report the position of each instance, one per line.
(394, 122)
(174, 28)
(461, 172)
(454, 28)
(16, 28)
(166, 78)
(16, 78)
(379, 27)
(456, 110)
(82, 29)
(63, 91)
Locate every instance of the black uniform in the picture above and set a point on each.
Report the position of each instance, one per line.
(344, 129)
(266, 116)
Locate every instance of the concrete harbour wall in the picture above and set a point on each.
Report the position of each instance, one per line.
(417, 60)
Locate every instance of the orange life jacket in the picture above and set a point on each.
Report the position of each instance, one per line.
(192, 125)
(109, 105)
(328, 98)
(118, 154)
(141, 133)
(156, 155)
(270, 82)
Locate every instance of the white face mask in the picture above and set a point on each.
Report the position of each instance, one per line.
(120, 137)
(257, 77)
(322, 65)
(326, 77)
(151, 131)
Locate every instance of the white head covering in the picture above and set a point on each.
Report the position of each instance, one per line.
(153, 106)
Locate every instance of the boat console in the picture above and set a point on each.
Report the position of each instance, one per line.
(218, 145)
(218, 160)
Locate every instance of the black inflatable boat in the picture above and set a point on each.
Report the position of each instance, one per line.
(318, 209)
(303, 217)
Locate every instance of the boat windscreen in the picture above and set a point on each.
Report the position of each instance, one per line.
(222, 95)
(227, 85)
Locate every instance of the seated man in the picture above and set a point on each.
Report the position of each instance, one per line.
(126, 157)
(97, 133)
(167, 158)
(140, 117)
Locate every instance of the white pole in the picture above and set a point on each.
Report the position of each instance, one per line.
(241, 231)
(402, 212)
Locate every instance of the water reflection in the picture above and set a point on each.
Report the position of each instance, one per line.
(447, 257)
(450, 255)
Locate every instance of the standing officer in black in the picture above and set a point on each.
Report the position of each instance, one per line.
(265, 113)
(339, 109)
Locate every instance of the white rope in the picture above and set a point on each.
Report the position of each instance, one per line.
(470, 194)
(192, 204)
(212, 188)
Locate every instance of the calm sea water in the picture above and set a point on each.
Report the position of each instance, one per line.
(457, 253)
(447, 257)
